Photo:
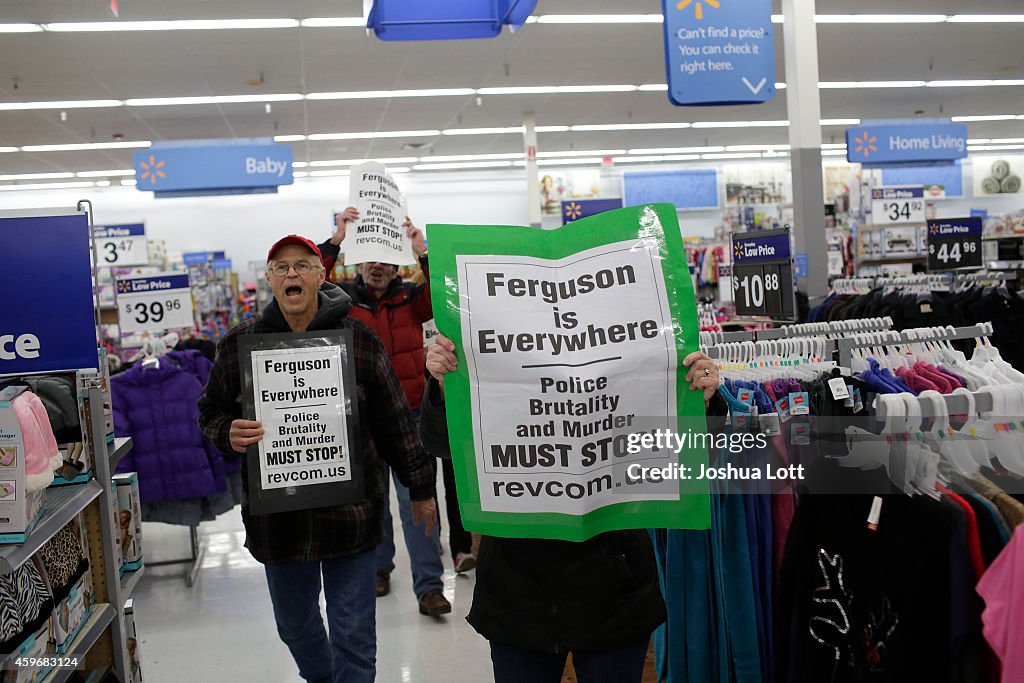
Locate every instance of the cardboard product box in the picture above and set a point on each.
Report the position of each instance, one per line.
(132, 640)
(36, 645)
(19, 510)
(71, 612)
(129, 513)
(118, 551)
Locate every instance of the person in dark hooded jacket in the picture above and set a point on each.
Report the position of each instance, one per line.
(536, 600)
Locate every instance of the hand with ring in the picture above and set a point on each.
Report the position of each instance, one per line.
(702, 374)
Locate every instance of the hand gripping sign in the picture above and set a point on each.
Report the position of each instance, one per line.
(301, 387)
(569, 341)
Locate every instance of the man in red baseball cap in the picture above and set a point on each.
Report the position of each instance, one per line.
(337, 543)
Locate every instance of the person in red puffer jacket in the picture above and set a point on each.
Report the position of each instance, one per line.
(395, 311)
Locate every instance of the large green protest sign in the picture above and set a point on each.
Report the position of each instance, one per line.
(570, 345)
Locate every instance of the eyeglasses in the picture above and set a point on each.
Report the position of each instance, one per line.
(301, 268)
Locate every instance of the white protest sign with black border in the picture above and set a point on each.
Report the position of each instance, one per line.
(154, 303)
(121, 245)
(379, 234)
(301, 388)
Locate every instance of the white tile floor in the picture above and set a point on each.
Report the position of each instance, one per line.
(222, 628)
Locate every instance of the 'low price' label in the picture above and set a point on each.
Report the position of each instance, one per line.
(155, 303)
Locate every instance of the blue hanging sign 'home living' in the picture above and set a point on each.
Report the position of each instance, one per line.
(719, 51)
(902, 141)
(575, 209)
(189, 168)
(448, 20)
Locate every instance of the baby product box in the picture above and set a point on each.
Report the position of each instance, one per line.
(71, 612)
(129, 519)
(132, 641)
(36, 646)
(118, 552)
(19, 509)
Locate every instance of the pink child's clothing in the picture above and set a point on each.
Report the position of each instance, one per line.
(41, 454)
(1002, 588)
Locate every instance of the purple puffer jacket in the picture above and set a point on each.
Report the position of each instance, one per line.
(156, 406)
(197, 364)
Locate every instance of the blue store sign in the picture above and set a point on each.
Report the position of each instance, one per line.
(719, 51)
(196, 258)
(212, 167)
(43, 327)
(448, 20)
(575, 209)
(901, 141)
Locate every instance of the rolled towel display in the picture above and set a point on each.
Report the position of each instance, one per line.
(1000, 169)
(991, 186)
(1010, 184)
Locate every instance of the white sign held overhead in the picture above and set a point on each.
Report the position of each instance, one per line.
(155, 303)
(379, 234)
(121, 245)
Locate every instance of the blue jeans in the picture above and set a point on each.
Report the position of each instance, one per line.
(350, 654)
(424, 551)
(513, 664)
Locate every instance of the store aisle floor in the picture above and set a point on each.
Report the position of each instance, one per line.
(222, 629)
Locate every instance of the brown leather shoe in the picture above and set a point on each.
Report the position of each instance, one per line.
(434, 604)
(383, 584)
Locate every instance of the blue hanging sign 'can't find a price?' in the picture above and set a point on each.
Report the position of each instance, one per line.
(719, 51)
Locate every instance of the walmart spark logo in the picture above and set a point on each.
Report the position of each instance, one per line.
(933, 230)
(151, 170)
(737, 251)
(124, 286)
(573, 211)
(698, 10)
(865, 144)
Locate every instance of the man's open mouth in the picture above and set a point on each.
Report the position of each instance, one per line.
(292, 291)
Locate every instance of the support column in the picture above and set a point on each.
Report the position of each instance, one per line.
(532, 182)
(800, 40)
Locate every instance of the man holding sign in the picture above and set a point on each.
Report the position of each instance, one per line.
(335, 541)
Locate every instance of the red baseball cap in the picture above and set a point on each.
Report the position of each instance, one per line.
(294, 239)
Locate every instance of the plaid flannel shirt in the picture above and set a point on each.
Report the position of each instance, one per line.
(386, 430)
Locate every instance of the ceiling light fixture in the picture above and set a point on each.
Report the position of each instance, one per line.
(353, 162)
(584, 153)
(840, 122)
(845, 85)
(469, 157)
(597, 19)
(371, 135)
(985, 18)
(481, 131)
(460, 165)
(216, 99)
(20, 28)
(112, 173)
(732, 155)
(880, 18)
(677, 150)
(86, 145)
(582, 161)
(36, 176)
(990, 117)
(289, 138)
(48, 186)
(381, 94)
(740, 124)
(174, 25)
(74, 104)
(977, 83)
(331, 22)
(655, 158)
(129, 182)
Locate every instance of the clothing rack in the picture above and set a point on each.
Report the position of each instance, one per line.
(768, 347)
(711, 342)
(194, 561)
(956, 404)
(845, 347)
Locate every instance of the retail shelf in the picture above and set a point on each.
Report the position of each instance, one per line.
(60, 507)
(1006, 265)
(1011, 236)
(91, 631)
(121, 445)
(891, 259)
(128, 582)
